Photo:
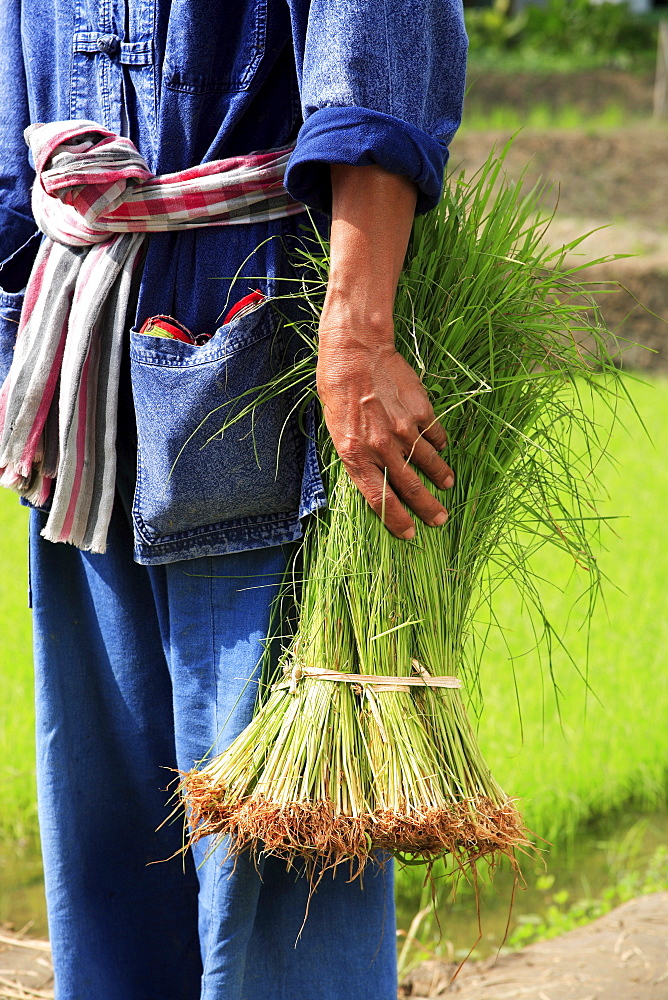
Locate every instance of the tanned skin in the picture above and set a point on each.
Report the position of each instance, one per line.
(375, 407)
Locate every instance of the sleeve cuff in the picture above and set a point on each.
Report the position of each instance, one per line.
(359, 136)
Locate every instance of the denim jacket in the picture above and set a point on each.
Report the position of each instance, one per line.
(353, 81)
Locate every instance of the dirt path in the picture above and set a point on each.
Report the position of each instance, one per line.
(591, 91)
(25, 968)
(622, 956)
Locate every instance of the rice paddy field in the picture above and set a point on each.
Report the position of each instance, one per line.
(572, 753)
(18, 817)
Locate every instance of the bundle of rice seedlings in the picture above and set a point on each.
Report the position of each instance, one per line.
(361, 739)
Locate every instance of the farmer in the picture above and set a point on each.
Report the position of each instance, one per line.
(149, 626)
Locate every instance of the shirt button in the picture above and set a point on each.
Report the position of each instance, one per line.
(109, 44)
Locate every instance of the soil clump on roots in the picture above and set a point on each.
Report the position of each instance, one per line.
(468, 831)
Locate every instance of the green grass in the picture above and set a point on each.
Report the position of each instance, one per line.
(542, 116)
(561, 910)
(580, 754)
(571, 762)
(612, 861)
(18, 816)
(534, 59)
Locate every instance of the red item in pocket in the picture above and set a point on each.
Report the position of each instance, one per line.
(244, 305)
(171, 329)
(167, 327)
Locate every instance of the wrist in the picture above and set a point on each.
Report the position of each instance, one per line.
(346, 359)
(351, 340)
(359, 290)
(348, 321)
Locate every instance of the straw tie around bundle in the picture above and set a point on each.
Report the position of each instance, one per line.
(379, 682)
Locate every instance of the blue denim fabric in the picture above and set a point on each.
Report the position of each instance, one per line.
(381, 83)
(144, 667)
(10, 311)
(140, 670)
(193, 482)
(355, 81)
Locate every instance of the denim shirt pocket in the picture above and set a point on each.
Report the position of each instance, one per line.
(208, 52)
(192, 477)
(10, 313)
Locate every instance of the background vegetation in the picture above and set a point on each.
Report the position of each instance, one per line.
(572, 753)
(562, 34)
(563, 64)
(18, 815)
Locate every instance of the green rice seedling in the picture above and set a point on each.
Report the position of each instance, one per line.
(361, 739)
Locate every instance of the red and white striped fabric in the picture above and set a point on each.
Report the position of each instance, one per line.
(95, 199)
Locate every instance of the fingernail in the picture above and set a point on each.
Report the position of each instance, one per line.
(409, 534)
(449, 482)
(440, 519)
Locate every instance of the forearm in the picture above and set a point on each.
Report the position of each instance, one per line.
(372, 215)
(376, 409)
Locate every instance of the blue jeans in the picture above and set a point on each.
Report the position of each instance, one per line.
(140, 670)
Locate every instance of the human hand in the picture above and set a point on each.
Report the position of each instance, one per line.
(382, 423)
(376, 409)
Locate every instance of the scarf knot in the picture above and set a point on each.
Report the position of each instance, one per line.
(95, 200)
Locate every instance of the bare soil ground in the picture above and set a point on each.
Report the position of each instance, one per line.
(591, 91)
(614, 184)
(26, 972)
(622, 956)
(613, 175)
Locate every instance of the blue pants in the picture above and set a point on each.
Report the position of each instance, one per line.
(139, 671)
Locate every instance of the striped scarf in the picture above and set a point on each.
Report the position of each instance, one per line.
(95, 199)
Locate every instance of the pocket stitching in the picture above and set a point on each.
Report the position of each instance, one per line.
(290, 444)
(266, 323)
(173, 80)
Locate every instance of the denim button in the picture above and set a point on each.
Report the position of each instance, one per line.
(109, 44)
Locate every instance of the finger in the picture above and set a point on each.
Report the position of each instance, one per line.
(410, 488)
(376, 490)
(424, 457)
(434, 433)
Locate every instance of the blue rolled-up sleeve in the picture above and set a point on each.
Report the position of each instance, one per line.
(382, 82)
